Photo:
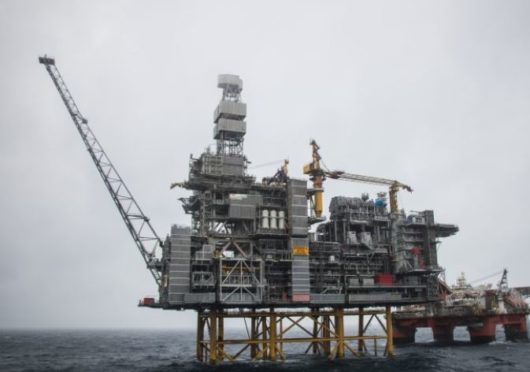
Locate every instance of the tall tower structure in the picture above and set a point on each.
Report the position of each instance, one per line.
(230, 127)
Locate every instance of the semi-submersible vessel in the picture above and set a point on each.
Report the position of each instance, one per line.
(261, 250)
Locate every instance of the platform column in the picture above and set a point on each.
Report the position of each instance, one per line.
(339, 332)
(213, 337)
(264, 346)
(516, 331)
(403, 334)
(485, 333)
(360, 332)
(272, 333)
(281, 336)
(314, 344)
(326, 334)
(443, 333)
(200, 336)
(389, 333)
(254, 337)
(220, 336)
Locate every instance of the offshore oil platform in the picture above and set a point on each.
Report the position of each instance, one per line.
(251, 252)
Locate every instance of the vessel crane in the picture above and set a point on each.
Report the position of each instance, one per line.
(319, 173)
(138, 224)
(481, 279)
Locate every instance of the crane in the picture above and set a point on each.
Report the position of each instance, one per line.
(138, 224)
(318, 174)
(481, 279)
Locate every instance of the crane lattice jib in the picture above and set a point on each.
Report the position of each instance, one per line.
(136, 221)
(394, 185)
(366, 179)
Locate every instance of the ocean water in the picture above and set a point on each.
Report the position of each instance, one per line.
(143, 350)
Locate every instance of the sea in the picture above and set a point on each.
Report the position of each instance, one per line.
(173, 350)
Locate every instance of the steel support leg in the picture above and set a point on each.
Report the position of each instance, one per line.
(253, 336)
(360, 343)
(272, 332)
(213, 337)
(389, 333)
(264, 338)
(200, 336)
(314, 317)
(326, 334)
(339, 332)
(220, 336)
(281, 337)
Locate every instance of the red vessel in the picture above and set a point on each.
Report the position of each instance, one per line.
(480, 309)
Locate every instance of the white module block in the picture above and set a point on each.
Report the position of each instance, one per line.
(227, 80)
(230, 128)
(230, 110)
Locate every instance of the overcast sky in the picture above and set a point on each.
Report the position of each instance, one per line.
(435, 94)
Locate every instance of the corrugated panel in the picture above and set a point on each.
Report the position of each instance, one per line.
(297, 207)
(243, 212)
(294, 241)
(300, 283)
(299, 210)
(299, 264)
(199, 298)
(297, 199)
(298, 221)
(179, 266)
(230, 128)
(327, 298)
(373, 297)
(298, 230)
(239, 298)
(234, 160)
(233, 165)
(176, 298)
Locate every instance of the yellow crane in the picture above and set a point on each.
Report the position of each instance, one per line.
(318, 174)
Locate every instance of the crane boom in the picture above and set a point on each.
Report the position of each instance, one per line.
(319, 173)
(393, 189)
(145, 237)
(365, 179)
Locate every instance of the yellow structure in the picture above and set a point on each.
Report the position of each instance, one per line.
(268, 332)
(316, 174)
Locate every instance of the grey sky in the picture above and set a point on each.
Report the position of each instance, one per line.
(435, 94)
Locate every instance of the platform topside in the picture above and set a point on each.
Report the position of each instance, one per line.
(250, 244)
